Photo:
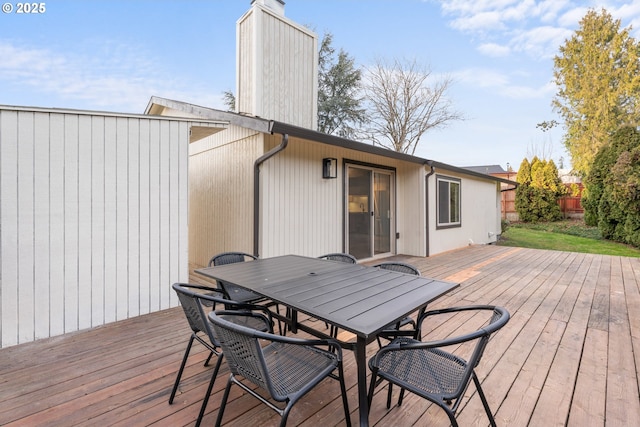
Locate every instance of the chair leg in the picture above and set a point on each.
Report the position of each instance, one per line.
(484, 400)
(206, 396)
(343, 391)
(182, 365)
(372, 386)
(285, 414)
(451, 415)
(206, 362)
(223, 403)
(389, 391)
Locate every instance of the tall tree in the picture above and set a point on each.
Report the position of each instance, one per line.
(405, 101)
(598, 77)
(229, 100)
(613, 188)
(539, 190)
(339, 105)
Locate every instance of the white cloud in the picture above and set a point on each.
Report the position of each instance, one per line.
(494, 50)
(481, 77)
(541, 42)
(534, 27)
(501, 83)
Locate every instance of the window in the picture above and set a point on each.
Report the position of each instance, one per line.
(448, 195)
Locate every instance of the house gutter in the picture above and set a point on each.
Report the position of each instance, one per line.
(426, 190)
(256, 189)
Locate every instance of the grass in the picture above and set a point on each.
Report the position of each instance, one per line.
(570, 235)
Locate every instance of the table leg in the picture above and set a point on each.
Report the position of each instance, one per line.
(294, 321)
(361, 363)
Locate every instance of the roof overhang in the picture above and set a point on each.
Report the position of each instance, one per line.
(164, 106)
(466, 171)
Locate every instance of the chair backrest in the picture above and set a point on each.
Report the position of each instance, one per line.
(230, 258)
(499, 317)
(193, 303)
(243, 351)
(398, 266)
(348, 258)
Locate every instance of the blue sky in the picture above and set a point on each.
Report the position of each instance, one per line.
(114, 55)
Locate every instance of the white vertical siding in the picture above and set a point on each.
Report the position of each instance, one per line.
(41, 226)
(84, 224)
(93, 219)
(245, 65)
(25, 223)
(303, 213)
(411, 210)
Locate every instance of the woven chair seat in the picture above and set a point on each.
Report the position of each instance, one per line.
(291, 368)
(432, 370)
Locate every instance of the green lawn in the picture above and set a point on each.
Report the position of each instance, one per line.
(571, 236)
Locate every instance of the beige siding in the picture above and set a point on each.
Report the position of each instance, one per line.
(246, 80)
(221, 193)
(411, 210)
(303, 213)
(93, 219)
(277, 68)
(480, 214)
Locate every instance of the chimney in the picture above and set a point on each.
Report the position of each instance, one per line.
(276, 66)
(276, 6)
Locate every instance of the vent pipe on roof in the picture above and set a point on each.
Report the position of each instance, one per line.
(276, 6)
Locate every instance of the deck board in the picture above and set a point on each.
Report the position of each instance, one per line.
(568, 356)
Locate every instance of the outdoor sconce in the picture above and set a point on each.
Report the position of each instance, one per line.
(329, 168)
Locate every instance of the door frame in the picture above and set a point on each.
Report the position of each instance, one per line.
(373, 168)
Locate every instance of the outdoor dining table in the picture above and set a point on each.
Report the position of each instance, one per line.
(353, 297)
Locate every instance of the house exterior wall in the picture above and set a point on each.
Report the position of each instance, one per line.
(303, 213)
(221, 193)
(411, 210)
(93, 219)
(479, 214)
(277, 68)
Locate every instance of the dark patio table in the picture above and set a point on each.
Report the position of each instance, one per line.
(353, 297)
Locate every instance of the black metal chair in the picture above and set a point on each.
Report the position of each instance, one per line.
(391, 331)
(235, 293)
(341, 257)
(428, 370)
(285, 368)
(194, 299)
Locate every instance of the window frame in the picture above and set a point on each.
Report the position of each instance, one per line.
(449, 224)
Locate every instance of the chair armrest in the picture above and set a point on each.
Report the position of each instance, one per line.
(201, 287)
(494, 326)
(403, 343)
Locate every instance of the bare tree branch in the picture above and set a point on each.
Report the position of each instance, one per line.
(404, 103)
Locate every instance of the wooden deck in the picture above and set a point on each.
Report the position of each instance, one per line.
(569, 356)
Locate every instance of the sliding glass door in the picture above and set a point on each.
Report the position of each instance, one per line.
(370, 211)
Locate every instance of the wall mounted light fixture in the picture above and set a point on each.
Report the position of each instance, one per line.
(329, 168)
